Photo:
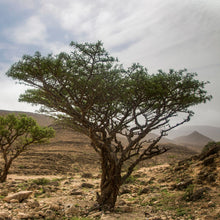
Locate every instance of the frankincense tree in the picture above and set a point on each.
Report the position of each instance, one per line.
(115, 107)
(16, 134)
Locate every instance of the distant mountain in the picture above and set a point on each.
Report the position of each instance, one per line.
(152, 136)
(193, 139)
(209, 131)
(41, 119)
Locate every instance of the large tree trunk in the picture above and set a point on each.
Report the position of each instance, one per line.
(110, 181)
(4, 173)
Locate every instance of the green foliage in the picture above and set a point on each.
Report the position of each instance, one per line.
(41, 181)
(208, 146)
(91, 87)
(188, 192)
(131, 180)
(16, 134)
(23, 130)
(39, 192)
(181, 212)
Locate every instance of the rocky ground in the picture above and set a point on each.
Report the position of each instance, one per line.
(60, 180)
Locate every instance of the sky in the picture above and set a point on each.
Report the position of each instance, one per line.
(159, 34)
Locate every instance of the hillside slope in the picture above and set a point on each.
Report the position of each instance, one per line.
(194, 139)
(188, 189)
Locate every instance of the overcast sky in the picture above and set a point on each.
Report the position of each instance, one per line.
(159, 34)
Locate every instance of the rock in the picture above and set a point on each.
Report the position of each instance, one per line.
(199, 193)
(87, 175)
(49, 214)
(95, 215)
(144, 191)
(72, 209)
(125, 191)
(211, 204)
(55, 183)
(20, 196)
(110, 216)
(14, 201)
(22, 215)
(87, 185)
(55, 207)
(121, 202)
(4, 216)
(182, 185)
(33, 204)
(209, 160)
(151, 180)
(41, 214)
(178, 168)
(34, 215)
(208, 217)
(206, 175)
(4, 192)
(76, 192)
(211, 177)
(156, 218)
(127, 209)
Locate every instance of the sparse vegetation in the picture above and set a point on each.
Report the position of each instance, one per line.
(41, 181)
(188, 192)
(210, 145)
(80, 218)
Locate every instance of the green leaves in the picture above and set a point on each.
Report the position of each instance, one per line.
(22, 129)
(92, 88)
(16, 134)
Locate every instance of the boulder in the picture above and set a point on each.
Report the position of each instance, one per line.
(4, 216)
(20, 196)
(22, 215)
(87, 185)
(183, 185)
(144, 191)
(209, 160)
(198, 194)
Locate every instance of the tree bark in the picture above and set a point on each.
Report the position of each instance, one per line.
(4, 173)
(110, 181)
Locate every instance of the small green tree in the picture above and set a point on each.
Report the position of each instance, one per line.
(16, 134)
(115, 107)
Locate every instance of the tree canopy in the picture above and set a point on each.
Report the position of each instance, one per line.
(16, 134)
(94, 94)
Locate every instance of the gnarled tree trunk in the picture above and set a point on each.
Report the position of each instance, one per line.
(110, 181)
(4, 173)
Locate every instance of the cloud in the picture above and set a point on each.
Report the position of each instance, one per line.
(9, 97)
(71, 16)
(21, 4)
(158, 34)
(32, 32)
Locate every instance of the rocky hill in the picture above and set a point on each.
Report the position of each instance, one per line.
(209, 131)
(194, 140)
(188, 189)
